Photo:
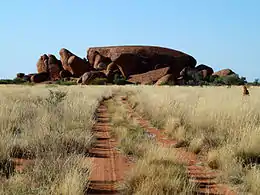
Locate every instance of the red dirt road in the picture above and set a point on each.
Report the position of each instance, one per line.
(109, 165)
(197, 170)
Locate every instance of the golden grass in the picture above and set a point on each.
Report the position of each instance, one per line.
(217, 120)
(156, 170)
(130, 136)
(53, 128)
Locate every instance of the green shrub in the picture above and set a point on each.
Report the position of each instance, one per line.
(120, 80)
(55, 97)
(256, 82)
(13, 81)
(61, 82)
(99, 81)
(233, 80)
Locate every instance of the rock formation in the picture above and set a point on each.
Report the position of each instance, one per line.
(138, 59)
(205, 70)
(87, 77)
(72, 63)
(165, 79)
(134, 64)
(40, 77)
(223, 72)
(42, 64)
(51, 65)
(65, 74)
(149, 77)
(20, 75)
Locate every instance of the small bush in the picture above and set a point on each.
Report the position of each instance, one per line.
(55, 97)
(99, 81)
(120, 80)
(13, 81)
(61, 82)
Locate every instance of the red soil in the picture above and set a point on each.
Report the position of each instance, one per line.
(197, 170)
(21, 163)
(109, 165)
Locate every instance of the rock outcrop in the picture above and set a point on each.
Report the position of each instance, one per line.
(149, 77)
(42, 64)
(138, 59)
(205, 70)
(20, 75)
(72, 63)
(40, 77)
(124, 64)
(223, 72)
(51, 65)
(65, 74)
(87, 77)
(165, 79)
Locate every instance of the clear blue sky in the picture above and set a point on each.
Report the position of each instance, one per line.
(219, 33)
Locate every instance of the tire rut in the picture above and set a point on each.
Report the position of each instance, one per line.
(199, 173)
(109, 165)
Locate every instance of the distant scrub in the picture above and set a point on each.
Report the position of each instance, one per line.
(13, 81)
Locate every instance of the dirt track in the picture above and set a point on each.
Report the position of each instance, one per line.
(197, 170)
(109, 165)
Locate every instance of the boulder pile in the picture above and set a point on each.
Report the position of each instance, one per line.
(135, 64)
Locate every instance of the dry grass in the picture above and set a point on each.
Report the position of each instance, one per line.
(131, 137)
(156, 170)
(53, 128)
(217, 120)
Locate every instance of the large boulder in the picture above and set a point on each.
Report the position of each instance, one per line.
(51, 65)
(165, 79)
(27, 78)
(53, 60)
(40, 77)
(204, 73)
(42, 64)
(72, 63)
(189, 73)
(30, 76)
(65, 74)
(20, 75)
(149, 77)
(87, 77)
(205, 70)
(127, 64)
(138, 59)
(54, 72)
(223, 72)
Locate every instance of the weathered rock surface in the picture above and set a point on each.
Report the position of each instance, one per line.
(205, 70)
(54, 72)
(204, 73)
(149, 77)
(27, 78)
(65, 74)
(165, 79)
(139, 59)
(127, 64)
(20, 75)
(224, 72)
(42, 64)
(72, 63)
(53, 60)
(51, 65)
(87, 77)
(188, 71)
(40, 77)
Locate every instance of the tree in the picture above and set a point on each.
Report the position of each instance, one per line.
(256, 82)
